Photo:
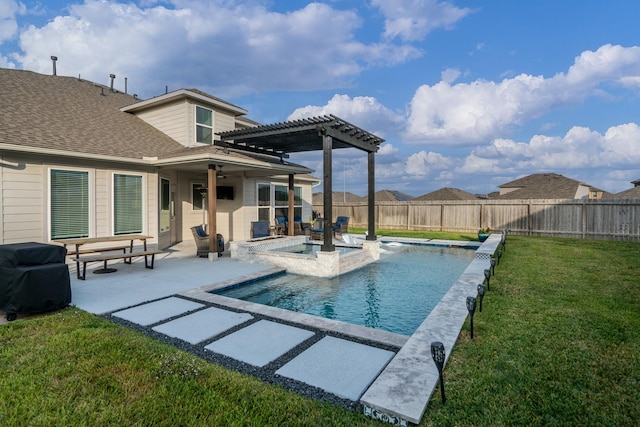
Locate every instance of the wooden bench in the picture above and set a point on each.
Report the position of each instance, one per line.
(127, 257)
(122, 248)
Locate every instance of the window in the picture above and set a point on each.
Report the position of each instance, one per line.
(69, 204)
(127, 204)
(165, 204)
(282, 201)
(197, 201)
(264, 202)
(204, 125)
(267, 210)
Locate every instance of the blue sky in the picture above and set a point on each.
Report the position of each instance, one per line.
(468, 94)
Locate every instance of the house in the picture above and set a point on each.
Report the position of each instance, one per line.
(447, 194)
(80, 159)
(549, 186)
(392, 196)
(338, 197)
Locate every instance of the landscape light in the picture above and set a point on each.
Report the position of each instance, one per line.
(487, 278)
(492, 260)
(437, 352)
(480, 295)
(471, 306)
(499, 256)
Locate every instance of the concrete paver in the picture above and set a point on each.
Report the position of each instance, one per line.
(260, 343)
(154, 312)
(202, 325)
(338, 366)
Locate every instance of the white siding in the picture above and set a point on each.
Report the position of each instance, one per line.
(24, 199)
(223, 122)
(102, 203)
(21, 194)
(228, 218)
(172, 119)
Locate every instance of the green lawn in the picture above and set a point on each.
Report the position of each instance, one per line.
(557, 343)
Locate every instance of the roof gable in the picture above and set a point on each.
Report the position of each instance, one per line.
(448, 194)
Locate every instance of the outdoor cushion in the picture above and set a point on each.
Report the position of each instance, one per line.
(200, 231)
(259, 229)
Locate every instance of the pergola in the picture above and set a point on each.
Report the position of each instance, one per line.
(313, 134)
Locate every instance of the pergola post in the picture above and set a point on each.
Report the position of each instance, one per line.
(291, 216)
(212, 208)
(371, 198)
(327, 147)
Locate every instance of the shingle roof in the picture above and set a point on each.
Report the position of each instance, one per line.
(544, 186)
(447, 194)
(79, 116)
(632, 193)
(67, 113)
(338, 197)
(392, 196)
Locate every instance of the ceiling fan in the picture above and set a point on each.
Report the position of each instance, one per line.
(220, 175)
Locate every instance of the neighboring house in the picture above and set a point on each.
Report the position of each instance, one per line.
(82, 159)
(632, 193)
(392, 196)
(447, 194)
(338, 197)
(549, 186)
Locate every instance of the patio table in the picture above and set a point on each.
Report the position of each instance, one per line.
(79, 242)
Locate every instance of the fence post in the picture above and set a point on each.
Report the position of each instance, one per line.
(529, 218)
(584, 219)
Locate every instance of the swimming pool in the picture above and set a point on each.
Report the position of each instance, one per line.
(394, 294)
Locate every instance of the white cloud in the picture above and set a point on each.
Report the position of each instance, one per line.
(9, 10)
(227, 48)
(468, 113)
(363, 111)
(423, 163)
(412, 20)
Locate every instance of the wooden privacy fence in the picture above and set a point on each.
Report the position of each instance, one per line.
(610, 219)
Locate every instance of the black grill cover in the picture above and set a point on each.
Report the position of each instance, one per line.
(31, 253)
(33, 278)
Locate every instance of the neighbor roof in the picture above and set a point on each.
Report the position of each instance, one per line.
(632, 193)
(447, 194)
(392, 196)
(338, 197)
(544, 186)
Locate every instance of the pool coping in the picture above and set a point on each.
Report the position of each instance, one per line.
(401, 392)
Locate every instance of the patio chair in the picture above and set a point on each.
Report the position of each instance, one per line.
(317, 232)
(202, 241)
(341, 225)
(280, 225)
(260, 229)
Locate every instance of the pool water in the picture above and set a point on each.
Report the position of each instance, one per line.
(394, 294)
